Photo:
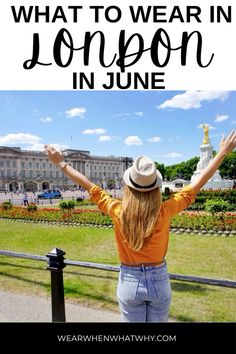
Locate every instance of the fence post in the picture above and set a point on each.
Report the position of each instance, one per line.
(56, 265)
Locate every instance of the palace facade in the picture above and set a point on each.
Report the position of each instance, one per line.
(26, 170)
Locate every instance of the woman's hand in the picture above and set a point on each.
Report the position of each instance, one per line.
(228, 144)
(57, 157)
(54, 156)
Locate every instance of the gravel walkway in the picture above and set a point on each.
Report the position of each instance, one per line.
(24, 308)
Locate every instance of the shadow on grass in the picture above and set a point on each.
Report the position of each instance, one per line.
(86, 289)
(192, 289)
(176, 285)
(22, 266)
(82, 290)
(66, 271)
(181, 286)
(89, 295)
(20, 278)
(185, 318)
(68, 290)
(93, 275)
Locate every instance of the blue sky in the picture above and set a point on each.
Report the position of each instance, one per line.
(166, 125)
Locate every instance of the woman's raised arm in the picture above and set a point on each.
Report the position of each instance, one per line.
(57, 159)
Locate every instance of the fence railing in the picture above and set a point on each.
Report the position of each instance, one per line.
(56, 263)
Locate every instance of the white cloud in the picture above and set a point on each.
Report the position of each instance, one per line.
(200, 126)
(221, 118)
(97, 131)
(128, 114)
(76, 112)
(46, 119)
(19, 138)
(133, 140)
(35, 147)
(155, 139)
(60, 146)
(193, 99)
(173, 155)
(105, 138)
(139, 114)
(40, 147)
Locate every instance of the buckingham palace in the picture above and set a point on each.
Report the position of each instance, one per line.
(26, 170)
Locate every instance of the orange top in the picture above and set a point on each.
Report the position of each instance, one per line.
(155, 249)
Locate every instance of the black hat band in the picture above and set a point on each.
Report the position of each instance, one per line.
(143, 187)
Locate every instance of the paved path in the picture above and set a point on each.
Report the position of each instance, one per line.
(25, 308)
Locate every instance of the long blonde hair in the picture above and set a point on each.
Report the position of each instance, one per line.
(139, 213)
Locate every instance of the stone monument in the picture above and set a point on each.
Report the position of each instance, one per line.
(206, 149)
(205, 156)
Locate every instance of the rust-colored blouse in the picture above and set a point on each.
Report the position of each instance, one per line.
(156, 248)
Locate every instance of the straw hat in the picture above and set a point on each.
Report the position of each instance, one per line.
(143, 175)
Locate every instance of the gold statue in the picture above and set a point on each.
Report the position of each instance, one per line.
(206, 139)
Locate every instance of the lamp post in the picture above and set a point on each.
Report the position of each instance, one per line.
(126, 162)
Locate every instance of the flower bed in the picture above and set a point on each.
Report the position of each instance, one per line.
(205, 221)
(82, 216)
(186, 220)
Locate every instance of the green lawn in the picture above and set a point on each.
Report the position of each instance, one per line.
(207, 256)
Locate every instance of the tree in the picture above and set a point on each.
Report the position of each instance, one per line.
(183, 170)
(190, 167)
(171, 172)
(161, 168)
(228, 166)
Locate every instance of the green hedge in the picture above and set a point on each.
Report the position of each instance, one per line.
(228, 195)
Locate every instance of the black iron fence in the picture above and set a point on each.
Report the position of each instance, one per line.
(56, 263)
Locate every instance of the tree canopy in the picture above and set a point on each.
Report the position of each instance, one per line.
(185, 169)
(228, 166)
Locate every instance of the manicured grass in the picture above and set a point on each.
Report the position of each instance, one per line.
(207, 256)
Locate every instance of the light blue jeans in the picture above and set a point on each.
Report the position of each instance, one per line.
(144, 293)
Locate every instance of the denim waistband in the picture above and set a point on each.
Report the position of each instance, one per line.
(143, 267)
